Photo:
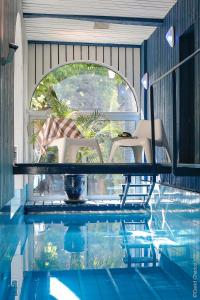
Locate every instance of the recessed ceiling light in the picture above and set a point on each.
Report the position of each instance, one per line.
(101, 25)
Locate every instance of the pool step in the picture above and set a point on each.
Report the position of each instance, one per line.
(136, 185)
(52, 206)
(136, 246)
(135, 222)
(138, 260)
(134, 195)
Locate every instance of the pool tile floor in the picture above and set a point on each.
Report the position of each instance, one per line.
(108, 284)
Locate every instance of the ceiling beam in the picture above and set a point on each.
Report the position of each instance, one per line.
(104, 19)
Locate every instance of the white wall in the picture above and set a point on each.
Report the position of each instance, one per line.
(20, 94)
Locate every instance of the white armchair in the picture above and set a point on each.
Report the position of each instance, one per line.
(142, 140)
(68, 148)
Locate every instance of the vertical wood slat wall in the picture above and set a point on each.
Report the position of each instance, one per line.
(161, 58)
(7, 27)
(45, 57)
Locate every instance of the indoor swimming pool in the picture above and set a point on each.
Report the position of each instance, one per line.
(153, 254)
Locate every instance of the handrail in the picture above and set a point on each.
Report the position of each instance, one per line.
(172, 71)
(176, 67)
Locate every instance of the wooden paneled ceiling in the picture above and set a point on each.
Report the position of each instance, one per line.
(82, 31)
(123, 21)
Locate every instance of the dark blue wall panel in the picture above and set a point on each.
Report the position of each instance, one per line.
(160, 58)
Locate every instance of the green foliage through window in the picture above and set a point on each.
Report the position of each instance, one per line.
(85, 87)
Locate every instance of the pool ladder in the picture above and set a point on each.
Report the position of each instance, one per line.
(146, 249)
(146, 196)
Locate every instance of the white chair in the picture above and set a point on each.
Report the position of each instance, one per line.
(68, 148)
(141, 140)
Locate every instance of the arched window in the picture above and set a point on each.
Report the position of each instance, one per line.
(85, 87)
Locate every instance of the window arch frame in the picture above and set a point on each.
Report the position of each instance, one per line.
(111, 116)
(94, 63)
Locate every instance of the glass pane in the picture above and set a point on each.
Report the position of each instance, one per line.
(84, 87)
(109, 185)
(97, 187)
(103, 130)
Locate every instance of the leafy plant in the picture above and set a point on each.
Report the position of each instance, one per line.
(85, 122)
(90, 124)
(58, 108)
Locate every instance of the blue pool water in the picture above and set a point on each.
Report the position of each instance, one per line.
(141, 255)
